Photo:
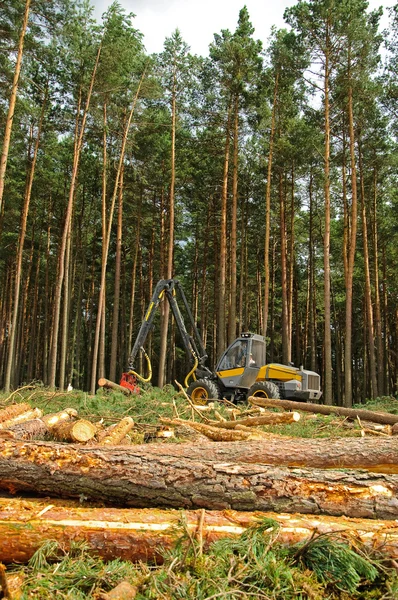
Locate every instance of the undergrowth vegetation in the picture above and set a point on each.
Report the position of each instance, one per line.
(153, 403)
(253, 565)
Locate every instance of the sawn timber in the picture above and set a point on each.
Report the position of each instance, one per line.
(138, 534)
(122, 476)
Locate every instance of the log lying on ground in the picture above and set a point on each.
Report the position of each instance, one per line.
(106, 383)
(34, 413)
(29, 430)
(269, 419)
(124, 477)
(74, 431)
(323, 409)
(134, 534)
(54, 419)
(117, 433)
(376, 455)
(13, 411)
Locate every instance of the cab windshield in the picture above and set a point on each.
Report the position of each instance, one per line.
(236, 356)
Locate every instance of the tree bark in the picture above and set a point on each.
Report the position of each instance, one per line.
(134, 535)
(268, 207)
(222, 269)
(328, 395)
(368, 289)
(11, 106)
(234, 210)
(170, 256)
(124, 478)
(286, 354)
(366, 415)
(351, 258)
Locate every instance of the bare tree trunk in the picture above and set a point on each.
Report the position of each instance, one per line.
(21, 242)
(116, 298)
(11, 106)
(368, 290)
(378, 329)
(232, 307)
(101, 299)
(65, 314)
(268, 208)
(170, 258)
(68, 215)
(222, 271)
(286, 357)
(328, 395)
(350, 260)
(101, 357)
(291, 273)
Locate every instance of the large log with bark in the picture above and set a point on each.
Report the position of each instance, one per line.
(138, 534)
(323, 409)
(125, 477)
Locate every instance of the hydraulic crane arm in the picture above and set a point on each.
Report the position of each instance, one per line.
(193, 345)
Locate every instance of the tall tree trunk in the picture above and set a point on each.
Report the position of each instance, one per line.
(170, 257)
(116, 297)
(291, 272)
(222, 271)
(232, 307)
(101, 298)
(11, 106)
(381, 368)
(328, 396)
(101, 357)
(268, 208)
(285, 317)
(351, 259)
(65, 314)
(67, 223)
(368, 289)
(19, 257)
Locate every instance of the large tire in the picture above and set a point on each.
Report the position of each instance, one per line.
(264, 389)
(203, 390)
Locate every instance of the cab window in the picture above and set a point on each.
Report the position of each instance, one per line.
(235, 357)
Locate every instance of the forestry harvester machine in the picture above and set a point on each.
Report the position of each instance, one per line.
(241, 371)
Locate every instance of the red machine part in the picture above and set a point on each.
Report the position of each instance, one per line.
(130, 382)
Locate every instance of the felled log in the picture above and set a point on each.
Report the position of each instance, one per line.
(212, 433)
(29, 430)
(118, 432)
(270, 419)
(28, 415)
(51, 420)
(124, 477)
(323, 409)
(75, 431)
(134, 534)
(106, 383)
(13, 411)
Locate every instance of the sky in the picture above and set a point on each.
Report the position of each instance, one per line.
(198, 20)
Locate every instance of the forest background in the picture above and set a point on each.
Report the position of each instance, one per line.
(262, 176)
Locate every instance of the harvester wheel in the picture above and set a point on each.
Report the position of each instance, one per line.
(264, 389)
(203, 390)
